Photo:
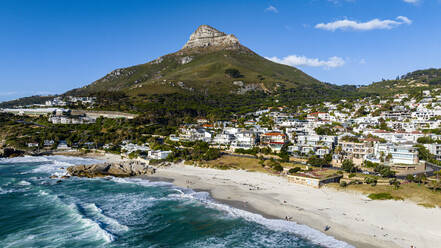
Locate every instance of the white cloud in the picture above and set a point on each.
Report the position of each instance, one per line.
(411, 1)
(339, 1)
(404, 19)
(369, 25)
(294, 60)
(272, 9)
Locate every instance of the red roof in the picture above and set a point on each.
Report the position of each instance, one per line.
(316, 113)
(274, 134)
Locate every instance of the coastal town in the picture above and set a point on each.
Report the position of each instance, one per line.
(374, 140)
(229, 124)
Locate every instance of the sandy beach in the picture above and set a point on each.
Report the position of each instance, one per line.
(352, 217)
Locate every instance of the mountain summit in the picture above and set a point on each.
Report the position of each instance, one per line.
(210, 63)
(206, 36)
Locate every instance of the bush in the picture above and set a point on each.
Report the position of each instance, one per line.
(246, 151)
(294, 170)
(371, 181)
(352, 175)
(409, 178)
(380, 196)
(316, 161)
(348, 166)
(384, 171)
(133, 155)
(278, 168)
(234, 73)
(383, 196)
(343, 184)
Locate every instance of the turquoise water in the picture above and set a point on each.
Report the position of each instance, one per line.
(36, 211)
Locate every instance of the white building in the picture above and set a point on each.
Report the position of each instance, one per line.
(434, 149)
(400, 154)
(159, 154)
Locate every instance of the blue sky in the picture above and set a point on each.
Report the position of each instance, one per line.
(49, 47)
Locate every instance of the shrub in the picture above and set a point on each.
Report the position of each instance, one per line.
(348, 166)
(234, 73)
(409, 178)
(278, 168)
(294, 170)
(371, 181)
(343, 184)
(383, 196)
(351, 175)
(316, 161)
(380, 196)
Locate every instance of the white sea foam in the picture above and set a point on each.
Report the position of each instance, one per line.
(25, 159)
(24, 183)
(43, 193)
(90, 224)
(7, 191)
(111, 224)
(140, 181)
(304, 231)
(56, 165)
(4, 191)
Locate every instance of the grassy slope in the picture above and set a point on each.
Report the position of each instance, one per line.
(205, 73)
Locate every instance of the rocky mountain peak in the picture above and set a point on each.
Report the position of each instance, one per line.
(206, 36)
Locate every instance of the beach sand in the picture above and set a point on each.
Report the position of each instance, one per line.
(352, 217)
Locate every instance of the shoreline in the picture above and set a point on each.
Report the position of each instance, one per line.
(256, 209)
(352, 217)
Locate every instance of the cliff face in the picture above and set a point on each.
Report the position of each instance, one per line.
(206, 36)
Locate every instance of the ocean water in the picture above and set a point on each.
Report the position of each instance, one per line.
(36, 211)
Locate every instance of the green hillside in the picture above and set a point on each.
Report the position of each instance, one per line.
(410, 83)
(208, 73)
(213, 71)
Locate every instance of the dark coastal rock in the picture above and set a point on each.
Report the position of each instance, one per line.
(11, 153)
(116, 169)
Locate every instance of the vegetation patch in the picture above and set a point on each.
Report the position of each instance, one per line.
(383, 196)
(426, 205)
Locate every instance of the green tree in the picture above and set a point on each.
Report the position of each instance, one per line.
(294, 170)
(348, 166)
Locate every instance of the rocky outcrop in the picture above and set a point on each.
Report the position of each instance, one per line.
(206, 36)
(129, 169)
(10, 153)
(186, 60)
